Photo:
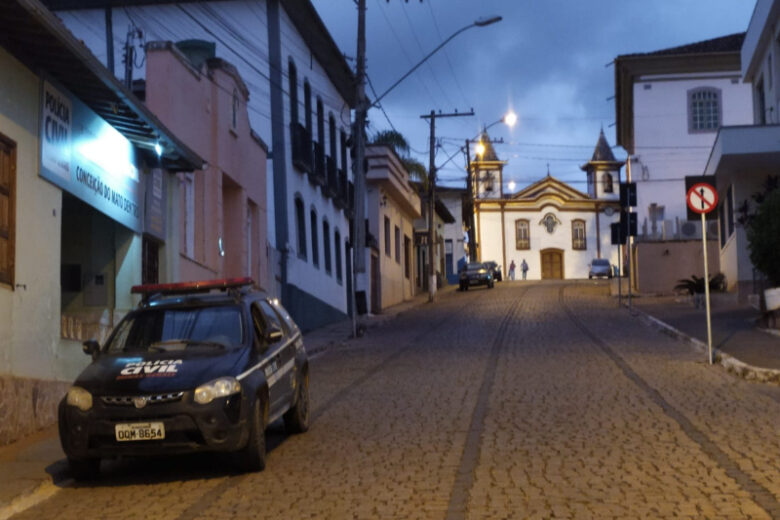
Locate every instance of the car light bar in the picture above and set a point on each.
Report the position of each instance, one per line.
(189, 287)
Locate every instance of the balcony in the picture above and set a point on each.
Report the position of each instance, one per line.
(340, 201)
(332, 185)
(301, 148)
(318, 173)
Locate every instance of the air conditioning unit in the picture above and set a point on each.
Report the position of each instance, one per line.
(667, 229)
(712, 229)
(689, 230)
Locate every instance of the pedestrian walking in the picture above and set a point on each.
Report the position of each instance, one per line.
(524, 268)
(512, 270)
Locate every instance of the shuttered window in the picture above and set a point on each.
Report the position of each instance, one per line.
(578, 235)
(7, 209)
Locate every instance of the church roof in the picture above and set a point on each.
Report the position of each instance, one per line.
(490, 152)
(549, 186)
(603, 151)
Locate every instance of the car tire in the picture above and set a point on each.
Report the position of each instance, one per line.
(590, 277)
(84, 469)
(296, 419)
(254, 453)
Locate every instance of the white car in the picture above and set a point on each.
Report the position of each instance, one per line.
(600, 267)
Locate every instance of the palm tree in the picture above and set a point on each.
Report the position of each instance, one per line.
(396, 141)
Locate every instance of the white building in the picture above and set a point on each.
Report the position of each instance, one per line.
(455, 238)
(669, 105)
(555, 228)
(742, 157)
(300, 94)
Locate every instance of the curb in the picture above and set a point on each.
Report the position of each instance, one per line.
(727, 361)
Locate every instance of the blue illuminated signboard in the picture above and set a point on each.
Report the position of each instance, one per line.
(85, 156)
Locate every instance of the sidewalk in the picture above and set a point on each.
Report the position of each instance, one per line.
(33, 468)
(738, 343)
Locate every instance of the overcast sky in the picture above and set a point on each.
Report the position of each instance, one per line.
(546, 60)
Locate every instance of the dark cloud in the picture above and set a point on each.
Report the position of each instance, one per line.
(546, 60)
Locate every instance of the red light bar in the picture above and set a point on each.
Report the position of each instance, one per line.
(188, 287)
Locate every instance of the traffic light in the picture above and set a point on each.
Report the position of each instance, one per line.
(630, 220)
(628, 194)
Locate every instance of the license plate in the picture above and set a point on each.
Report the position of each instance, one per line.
(150, 431)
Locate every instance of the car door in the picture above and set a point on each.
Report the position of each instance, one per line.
(280, 357)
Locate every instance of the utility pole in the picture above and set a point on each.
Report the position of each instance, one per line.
(432, 199)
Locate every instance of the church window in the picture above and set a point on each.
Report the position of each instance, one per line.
(578, 235)
(704, 108)
(522, 234)
(607, 180)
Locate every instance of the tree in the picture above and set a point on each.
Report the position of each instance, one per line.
(763, 234)
(399, 144)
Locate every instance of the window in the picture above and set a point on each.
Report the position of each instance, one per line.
(760, 100)
(704, 107)
(307, 104)
(300, 224)
(343, 150)
(578, 235)
(7, 209)
(188, 180)
(397, 244)
(326, 245)
(315, 249)
(407, 259)
(730, 209)
(387, 236)
(292, 74)
(337, 251)
(522, 234)
(722, 222)
(332, 136)
(606, 179)
(321, 124)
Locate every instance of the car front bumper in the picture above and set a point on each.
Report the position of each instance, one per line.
(189, 427)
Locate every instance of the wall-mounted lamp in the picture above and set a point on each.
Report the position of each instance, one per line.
(158, 149)
(383, 202)
(220, 246)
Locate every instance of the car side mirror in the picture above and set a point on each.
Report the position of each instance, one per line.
(92, 348)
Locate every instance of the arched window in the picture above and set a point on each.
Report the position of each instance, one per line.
(578, 241)
(606, 181)
(300, 224)
(315, 249)
(292, 75)
(307, 105)
(326, 245)
(337, 251)
(704, 109)
(522, 234)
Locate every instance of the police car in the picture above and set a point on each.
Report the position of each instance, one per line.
(198, 366)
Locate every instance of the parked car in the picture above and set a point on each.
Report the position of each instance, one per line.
(600, 267)
(495, 269)
(198, 366)
(475, 273)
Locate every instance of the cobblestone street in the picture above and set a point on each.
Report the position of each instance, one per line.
(530, 400)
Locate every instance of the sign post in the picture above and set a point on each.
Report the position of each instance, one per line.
(702, 199)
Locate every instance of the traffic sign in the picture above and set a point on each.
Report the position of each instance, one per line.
(702, 198)
(690, 182)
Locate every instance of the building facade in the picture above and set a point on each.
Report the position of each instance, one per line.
(300, 91)
(85, 174)
(455, 236)
(669, 105)
(556, 229)
(393, 206)
(744, 156)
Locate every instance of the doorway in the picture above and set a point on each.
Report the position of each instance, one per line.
(552, 264)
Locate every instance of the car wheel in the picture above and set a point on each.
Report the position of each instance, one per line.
(254, 453)
(296, 420)
(590, 277)
(84, 469)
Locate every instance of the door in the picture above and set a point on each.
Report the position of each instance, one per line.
(552, 264)
(376, 287)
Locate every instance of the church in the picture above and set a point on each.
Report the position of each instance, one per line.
(557, 229)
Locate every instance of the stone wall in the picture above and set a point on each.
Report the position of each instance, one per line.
(27, 405)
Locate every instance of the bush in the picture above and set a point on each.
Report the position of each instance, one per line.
(763, 234)
(695, 284)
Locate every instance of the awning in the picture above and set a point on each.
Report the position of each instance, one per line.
(37, 38)
(749, 149)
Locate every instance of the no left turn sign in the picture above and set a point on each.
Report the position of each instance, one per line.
(702, 198)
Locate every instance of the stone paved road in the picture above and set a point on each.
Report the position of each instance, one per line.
(525, 401)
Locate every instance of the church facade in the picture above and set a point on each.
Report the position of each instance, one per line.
(557, 229)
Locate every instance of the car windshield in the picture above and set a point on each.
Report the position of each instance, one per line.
(474, 265)
(601, 262)
(162, 330)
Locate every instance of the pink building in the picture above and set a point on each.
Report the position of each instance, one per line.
(221, 215)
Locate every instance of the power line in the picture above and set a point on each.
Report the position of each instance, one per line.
(446, 54)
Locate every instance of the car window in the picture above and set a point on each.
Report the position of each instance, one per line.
(600, 262)
(270, 317)
(292, 328)
(157, 329)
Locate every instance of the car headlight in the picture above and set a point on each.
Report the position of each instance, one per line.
(79, 398)
(221, 387)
